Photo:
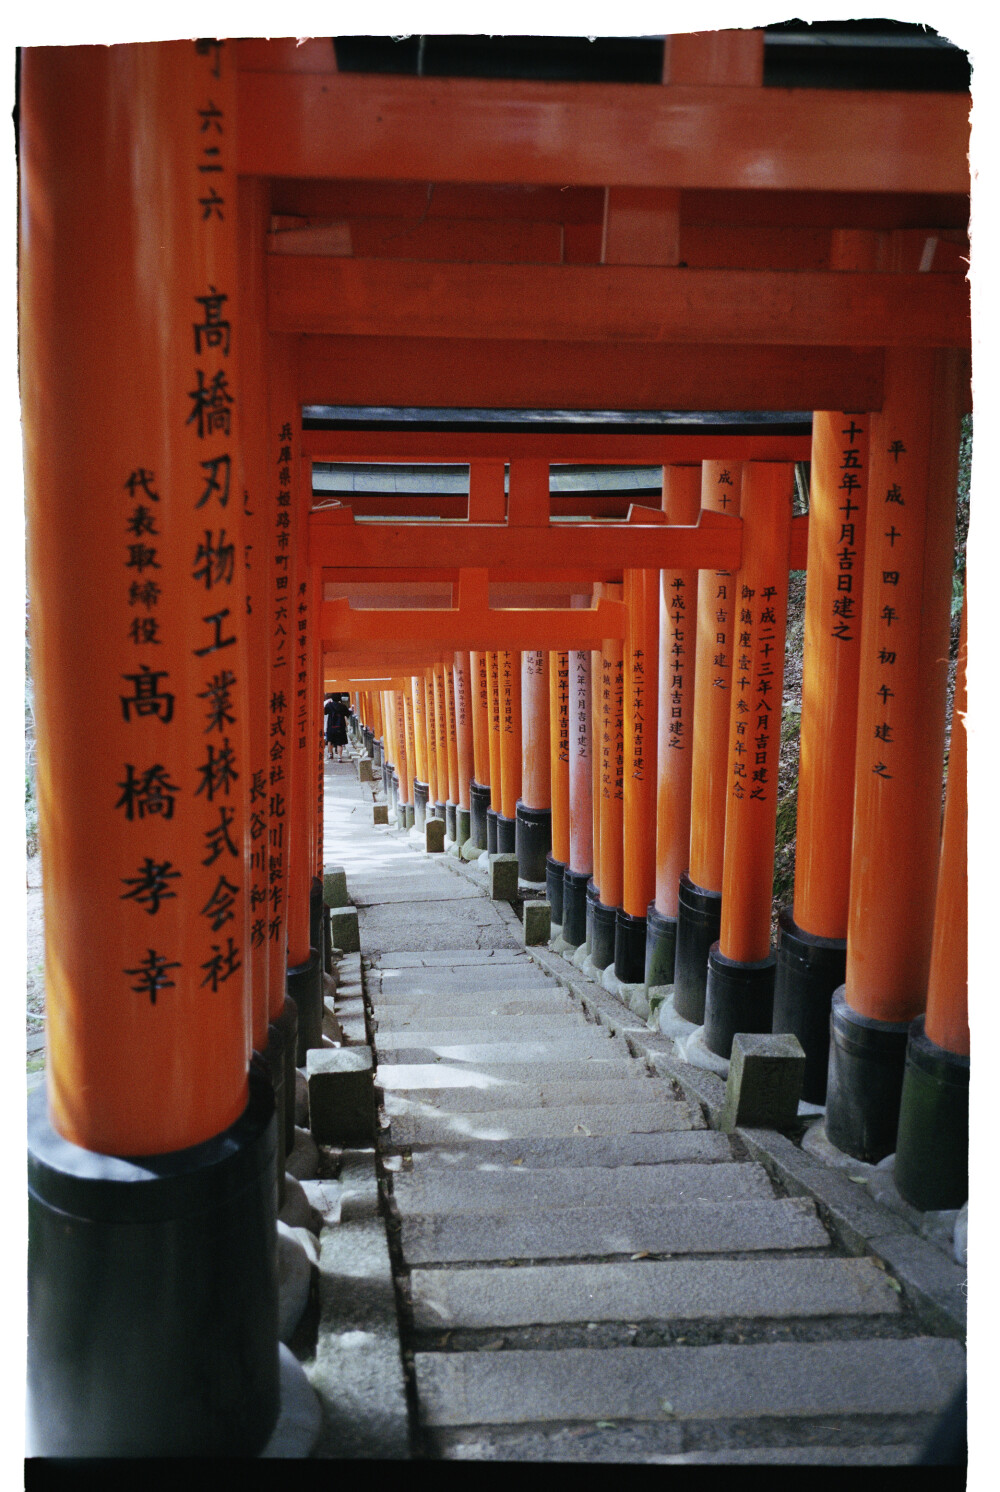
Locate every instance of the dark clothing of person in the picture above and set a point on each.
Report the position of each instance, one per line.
(336, 725)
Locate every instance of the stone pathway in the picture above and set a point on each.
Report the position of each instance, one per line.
(584, 1271)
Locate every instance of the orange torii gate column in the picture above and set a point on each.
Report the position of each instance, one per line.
(463, 717)
(609, 803)
(581, 809)
(558, 857)
(479, 788)
(674, 748)
(421, 789)
(932, 1143)
(493, 736)
(909, 543)
(739, 993)
(812, 945)
(533, 836)
(151, 1147)
(451, 737)
(509, 682)
(699, 898)
(641, 668)
(407, 789)
(435, 683)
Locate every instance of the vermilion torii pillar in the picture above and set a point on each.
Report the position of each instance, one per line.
(909, 538)
(479, 790)
(409, 799)
(430, 728)
(674, 745)
(421, 787)
(740, 988)
(812, 948)
(641, 664)
(609, 802)
(509, 686)
(462, 693)
(932, 1144)
(699, 906)
(557, 859)
(435, 682)
(534, 810)
(130, 325)
(493, 736)
(451, 733)
(581, 812)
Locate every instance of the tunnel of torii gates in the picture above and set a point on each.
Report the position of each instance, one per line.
(601, 696)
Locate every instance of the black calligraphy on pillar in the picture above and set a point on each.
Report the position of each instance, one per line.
(846, 601)
(676, 602)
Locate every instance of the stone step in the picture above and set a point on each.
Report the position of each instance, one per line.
(503, 1097)
(629, 1117)
(649, 1444)
(526, 1023)
(517, 1189)
(392, 987)
(443, 1007)
(497, 1033)
(420, 883)
(402, 1076)
(452, 958)
(652, 1290)
(600, 1232)
(584, 1047)
(875, 1377)
(578, 1150)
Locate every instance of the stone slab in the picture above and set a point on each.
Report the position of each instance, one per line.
(513, 1030)
(344, 928)
(434, 836)
(502, 1098)
(578, 1150)
(357, 1370)
(536, 1189)
(478, 1003)
(537, 922)
(430, 925)
(515, 1023)
(651, 1290)
(451, 957)
(424, 1127)
(503, 1051)
(403, 1076)
(380, 813)
(399, 986)
(425, 883)
(502, 877)
(589, 1232)
(341, 1095)
(764, 1083)
(915, 1376)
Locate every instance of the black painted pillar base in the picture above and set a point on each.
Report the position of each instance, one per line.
(738, 997)
(479, 802)
(491, 830)
(376, 754)
(555, 870)
(304, 985)
(394, 791)
(593, 897)
(451, 819)
(274, 1059)
(661, 948)
(932, 1142)
(440, 811)
(420, 792)
(865, 1081)
(463, 826)
(574, 923)
(287, 1028)
(809, 969)
(630, 948)
(327, 940)
(316, 917)
(506, 835)
(153, 1293)
(603, 921)
(533, 840)
(699, 914)
(406, 815)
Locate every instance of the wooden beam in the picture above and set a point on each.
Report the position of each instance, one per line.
(574, 579)
(713, 543)
(601, 447)
(580, 134)
(461, 241)
(633, 303)
(473, 626)
(425, 372)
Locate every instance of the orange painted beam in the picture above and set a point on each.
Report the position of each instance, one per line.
(457, 241)
(480, 628)
(602, 447)
(634, 303)
(714, 543)
(427, 371)
(483, 130)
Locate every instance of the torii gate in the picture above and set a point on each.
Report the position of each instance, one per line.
(203, 315)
